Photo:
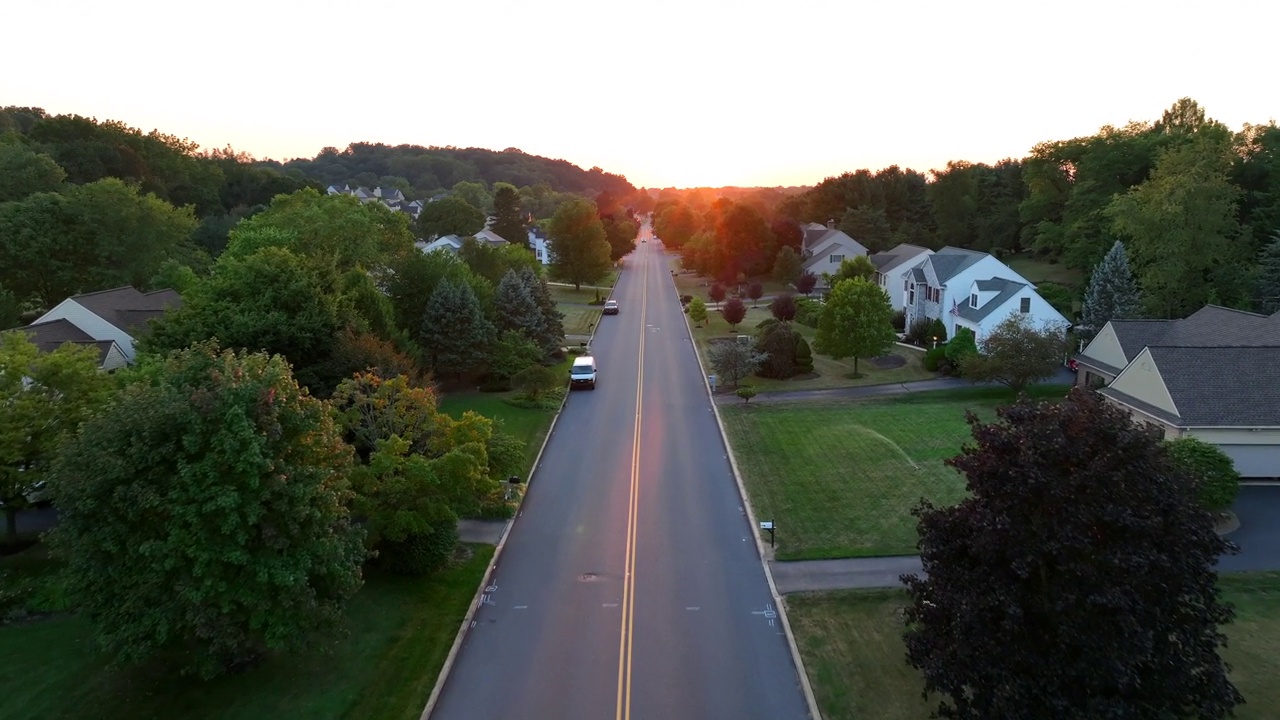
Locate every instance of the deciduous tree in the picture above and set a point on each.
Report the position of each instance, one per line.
(783, 307)
(805, 282)
(226, 486)
(697, 311)
(450, 215)
(856, 267)
(620, 233)
(716, 293)
(733, 310)
(579, 251)
(857, 322)
(755, 291)
(25, 172)
(1074, 581)
(1017, 353)
(45, 397)
(787, 266)
(1268, 286)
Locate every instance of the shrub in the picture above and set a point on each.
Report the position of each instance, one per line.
(546, 400)
(934, 357)
(937, 330)
(686, 299)
(962, 347)
(808, 312)
(1217, 481)
(804, 356)
(422, 553)
(900, 321)
(746, 392)
(536, 380)
(778, 343)
(918, 333)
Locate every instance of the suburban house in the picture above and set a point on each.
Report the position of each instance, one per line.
(538, 241)
(893, 268)
(391, 197)
(971, 289)
(824, 247)
(109, 320)
(452, 243)
(1214, 376)
(448, 243)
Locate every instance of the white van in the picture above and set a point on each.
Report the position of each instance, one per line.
(583, 373)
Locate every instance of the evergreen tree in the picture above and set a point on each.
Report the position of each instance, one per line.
(1268, 288)
(551, 329)
(1113, 292)
(515, 308)
(455, 333)
(508, 221)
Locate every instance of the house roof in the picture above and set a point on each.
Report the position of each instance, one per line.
(951, 261)
(1004, 290)
(126, 308)
(917, 275)
(1134, 335)
(49, 336)
(893, 258)
(814, 234)
(1234, 386)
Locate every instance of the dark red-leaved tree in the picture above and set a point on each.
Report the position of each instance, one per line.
(1076, 581)
(784, 307)
(755, 291)
(806, 282)
(716, 293)
(733, 311)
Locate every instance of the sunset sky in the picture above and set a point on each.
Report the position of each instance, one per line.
(690, 93)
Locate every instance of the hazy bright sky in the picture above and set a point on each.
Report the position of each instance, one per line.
(689, 93)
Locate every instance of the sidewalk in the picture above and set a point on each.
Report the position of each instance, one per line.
(872, 572)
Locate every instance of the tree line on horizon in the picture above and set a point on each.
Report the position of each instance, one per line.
(1196, 205)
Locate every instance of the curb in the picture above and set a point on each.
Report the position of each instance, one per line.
(452, 657)
(805, 686)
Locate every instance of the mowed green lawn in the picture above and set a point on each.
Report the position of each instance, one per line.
(851, 642)
(840, 478)
(829, 373)
(399, 631)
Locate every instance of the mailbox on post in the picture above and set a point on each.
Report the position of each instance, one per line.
(768, 525)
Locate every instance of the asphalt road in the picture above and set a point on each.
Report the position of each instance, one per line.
(630, 585)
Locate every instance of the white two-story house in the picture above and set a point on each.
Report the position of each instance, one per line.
(824, 248)
(893, 268)
(967, 288)
(109, 320)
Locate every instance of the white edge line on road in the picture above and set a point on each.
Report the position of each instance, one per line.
(755, 532)
(468, 619)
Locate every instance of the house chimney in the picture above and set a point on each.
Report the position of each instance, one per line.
(831, 224)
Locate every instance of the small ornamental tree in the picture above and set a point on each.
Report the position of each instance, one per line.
(733, 311)
(746, 392)
(804, 356)
(229, 535)
(783, 307)
(805, 282)
(733, 361)
(1075, 581)
(778, 342)
(962, 347)
(697, 311)
(856, 322)
(937, 331)
(1017, 353)
(716, 293)
(1217, 482)
(755, 291)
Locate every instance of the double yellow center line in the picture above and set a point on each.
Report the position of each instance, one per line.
(633, 507)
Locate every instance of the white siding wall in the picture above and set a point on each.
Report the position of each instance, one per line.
(1041, 312)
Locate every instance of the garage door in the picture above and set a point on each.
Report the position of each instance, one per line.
(1253, 461)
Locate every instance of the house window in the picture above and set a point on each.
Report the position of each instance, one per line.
(911, 296)
(1025, 305)
(879, 279)
(904, 283)
(837, 258)
(973, 300)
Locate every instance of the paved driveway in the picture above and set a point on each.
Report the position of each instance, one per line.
(1258, 508)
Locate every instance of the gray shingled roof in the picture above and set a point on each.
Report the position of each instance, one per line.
(49, 336)
(126, 308)
(813, 236)
(1222, 385)
(1137, 334)
(1213, 326)
(882, 259)
(1005, 289)
(950, 261)
(917, 275)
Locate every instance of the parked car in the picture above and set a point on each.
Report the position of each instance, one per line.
(610, 307)
(583, 373)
